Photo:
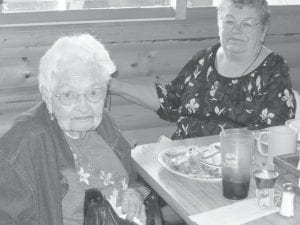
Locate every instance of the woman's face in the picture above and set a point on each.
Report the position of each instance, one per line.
(240, 30)
(76, 85)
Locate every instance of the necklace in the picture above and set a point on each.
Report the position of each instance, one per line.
(80, 136)
(253, 61)
(249, 66)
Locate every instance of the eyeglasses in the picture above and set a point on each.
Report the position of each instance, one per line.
(71, 97)
(246, 25)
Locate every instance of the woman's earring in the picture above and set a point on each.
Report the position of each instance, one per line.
(49, 107)
(51, 116)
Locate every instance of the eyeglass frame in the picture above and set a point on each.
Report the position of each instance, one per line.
(240, 24)
(76, 99)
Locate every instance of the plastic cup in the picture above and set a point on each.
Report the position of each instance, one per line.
(237, 147)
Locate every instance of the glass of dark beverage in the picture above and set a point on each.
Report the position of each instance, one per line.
(237, 148)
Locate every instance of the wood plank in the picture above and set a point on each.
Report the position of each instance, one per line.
(200, 23)
(111, 32)
(18, 95)
(64, 17)
(17, 76)
(148, 135)
(285, 19)
(135, 137)
(295, 77)
(132, 117)
(133, 59)
(289, 50)
(31, 93)
(128, 117)
(137, 125)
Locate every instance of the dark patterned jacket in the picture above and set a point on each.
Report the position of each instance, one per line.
(32, 154)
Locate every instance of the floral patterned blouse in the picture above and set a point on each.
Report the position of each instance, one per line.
(96, 166)
(202, 101)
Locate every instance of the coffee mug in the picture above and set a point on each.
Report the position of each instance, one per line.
(280, 140)
(295, 125)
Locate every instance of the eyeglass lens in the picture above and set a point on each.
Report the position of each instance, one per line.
(246, 25)
(71, 97)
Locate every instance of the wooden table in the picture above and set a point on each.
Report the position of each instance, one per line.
(187, 196)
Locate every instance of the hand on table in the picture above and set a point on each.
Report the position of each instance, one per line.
(132, 205)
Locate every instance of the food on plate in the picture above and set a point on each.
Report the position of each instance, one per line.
(187, 163)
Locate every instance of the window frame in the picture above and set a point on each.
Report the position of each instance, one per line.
(176, 11)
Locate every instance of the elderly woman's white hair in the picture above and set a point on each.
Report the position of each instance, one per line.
(82, 48)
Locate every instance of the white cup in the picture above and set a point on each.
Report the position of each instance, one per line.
(295, 125)
(281, 140)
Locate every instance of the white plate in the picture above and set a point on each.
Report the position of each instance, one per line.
(179, 160)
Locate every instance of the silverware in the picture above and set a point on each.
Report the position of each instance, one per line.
(211, 155)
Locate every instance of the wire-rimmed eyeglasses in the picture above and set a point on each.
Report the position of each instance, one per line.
(71, 97)
(246, 25)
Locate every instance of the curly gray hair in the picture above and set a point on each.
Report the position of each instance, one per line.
(83, 48)
(261, 6)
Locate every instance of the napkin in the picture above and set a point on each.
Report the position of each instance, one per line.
(112, 199)
(234, 214)
(164, 139)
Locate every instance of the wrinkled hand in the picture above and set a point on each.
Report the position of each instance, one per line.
(132, 205)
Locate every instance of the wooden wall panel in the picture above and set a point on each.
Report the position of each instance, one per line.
(19, 66)
(143, 51)
(148, 135)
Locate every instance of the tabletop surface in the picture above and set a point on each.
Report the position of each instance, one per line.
(188, 196)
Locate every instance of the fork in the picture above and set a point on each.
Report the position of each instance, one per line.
(197, 151)
(217, 151)
(211, 155)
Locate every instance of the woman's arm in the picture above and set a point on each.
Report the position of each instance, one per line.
(139, 94)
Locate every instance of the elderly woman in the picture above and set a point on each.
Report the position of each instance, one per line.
(67, 144)
(238, 82)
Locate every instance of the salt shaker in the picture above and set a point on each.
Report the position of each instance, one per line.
(287, 200)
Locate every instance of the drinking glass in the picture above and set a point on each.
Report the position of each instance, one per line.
(237, 147)
(265, 181)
